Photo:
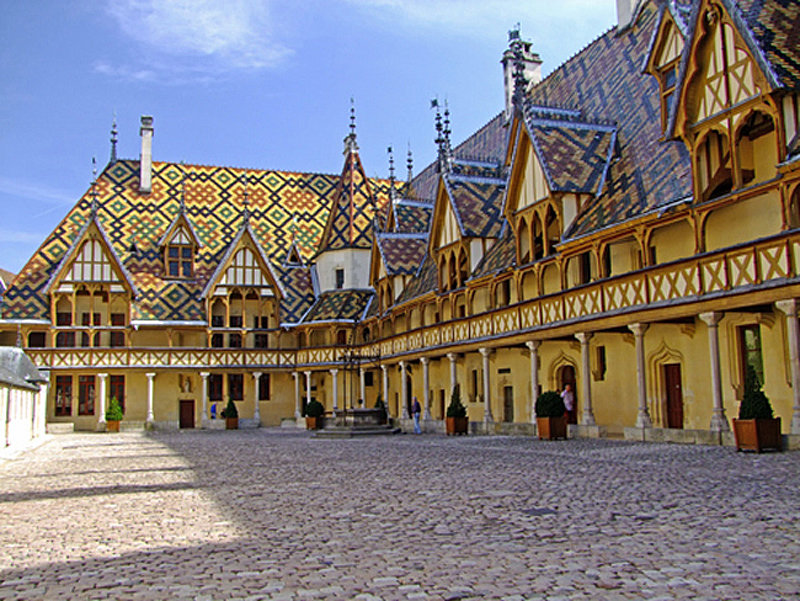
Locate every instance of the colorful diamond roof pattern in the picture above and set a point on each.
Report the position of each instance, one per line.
(412, 216)
(402, 254)
(478, 204)
(501, 256)
(606, 82)
(339, 305)
(283, 206)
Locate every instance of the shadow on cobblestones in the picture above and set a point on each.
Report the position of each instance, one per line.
(273, 514)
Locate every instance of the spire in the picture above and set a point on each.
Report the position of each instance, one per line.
(93, 209)
(113, 158)
(350, 145)
(515, 43)
(442, 137)
(392, 191)
(410, 165)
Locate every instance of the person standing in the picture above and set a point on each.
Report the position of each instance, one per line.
(569, 404)
(415, 411)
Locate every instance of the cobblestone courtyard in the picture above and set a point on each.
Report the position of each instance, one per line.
(273, 514)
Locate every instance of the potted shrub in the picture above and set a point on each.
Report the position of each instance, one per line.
(113, 415)
(756, 429)
(551, 420)
(456, 421)
(231, 415)
(314, 415)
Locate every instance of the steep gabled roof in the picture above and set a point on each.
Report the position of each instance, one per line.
(478, 204)
(426, 280)
(412, 216)
(339, 305)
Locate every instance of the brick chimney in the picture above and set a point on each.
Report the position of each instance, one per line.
(146, 156)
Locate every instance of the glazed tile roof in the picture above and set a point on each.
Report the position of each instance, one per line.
(574, 155)
(350, 220)
(502, 255)
(605, 82)
(283, 207)
(425, 281)
(412, 216)
(339, 305)
(402, 254)
(775, 26)
(477, 203)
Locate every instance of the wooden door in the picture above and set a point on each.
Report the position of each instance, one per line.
(672, 383)
(187, 414)
(508, 404)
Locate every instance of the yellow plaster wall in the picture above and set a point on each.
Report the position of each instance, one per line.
(744, 221)
(672, 242)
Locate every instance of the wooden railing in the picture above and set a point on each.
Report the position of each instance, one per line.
(764, 263)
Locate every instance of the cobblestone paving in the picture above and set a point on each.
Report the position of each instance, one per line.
(272, 514)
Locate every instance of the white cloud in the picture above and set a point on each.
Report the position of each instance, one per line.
(195, 37)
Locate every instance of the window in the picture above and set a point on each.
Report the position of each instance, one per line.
(235, 341)
(369, 378)
(217, 321)
(474, 385)
(63, 319)
(116, 390)
(37, 340)
(750, 351)
(117, 338)
(262, 341)
(340, 278)
(217, 341)
(236, 387)
(85, 395)
(263, 387)
(215, 387)
(63, 396)
(179, 260)
(236, 321)
(601, 363)
(65, 339)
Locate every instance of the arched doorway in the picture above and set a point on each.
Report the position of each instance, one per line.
(566, 375)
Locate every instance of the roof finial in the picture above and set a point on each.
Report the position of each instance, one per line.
(520, 82)
(392, 191)
(447, 129)
(113, 158)
(442, 137)
(246, 200)
(350, 145)
(410, 164)
(93, 209)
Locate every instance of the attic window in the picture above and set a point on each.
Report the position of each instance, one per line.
(340, 278)
(668, 76)
(179, 255)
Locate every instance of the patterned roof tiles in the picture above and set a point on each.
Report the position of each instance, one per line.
(402, 254)
(284, 206)
(478, 204)
(412, 216)
(502, 255)
(339, 305)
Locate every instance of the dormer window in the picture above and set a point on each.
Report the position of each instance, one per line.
(179, 255)
(668, 76)
(180, 258)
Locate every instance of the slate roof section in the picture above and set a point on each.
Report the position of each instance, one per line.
(339, 305)
(402, 254)
(284, 206)
(17, 370)
(426, 280)
(605, 82)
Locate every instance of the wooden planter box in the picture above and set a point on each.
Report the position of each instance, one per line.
(551, 428)
(456, 425)
(112, 426)
(231, 423)
(314, 423)
(758, 434)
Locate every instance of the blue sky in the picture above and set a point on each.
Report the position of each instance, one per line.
(263, 84)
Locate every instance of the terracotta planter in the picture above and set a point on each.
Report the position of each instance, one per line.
(313, 423)
(551, 428)
(758, 434)
(112, 425)
(231, 423)
(456, 425)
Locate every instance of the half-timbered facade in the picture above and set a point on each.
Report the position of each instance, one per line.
(629, 225)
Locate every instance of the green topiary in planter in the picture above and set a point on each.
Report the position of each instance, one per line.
(315, 409)
(550, 404)
(230, 410)
(755, 404)
(456, 408)
(114, 411)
